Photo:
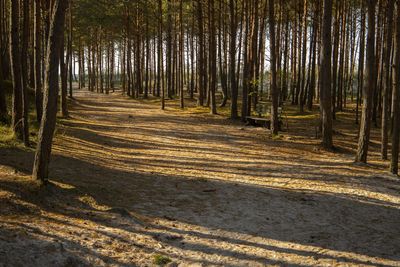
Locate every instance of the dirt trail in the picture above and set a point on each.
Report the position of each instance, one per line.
(131, 182)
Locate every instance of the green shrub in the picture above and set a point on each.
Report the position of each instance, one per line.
(161, 260)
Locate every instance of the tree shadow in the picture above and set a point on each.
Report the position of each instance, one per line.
(325, 221)
(205, 195)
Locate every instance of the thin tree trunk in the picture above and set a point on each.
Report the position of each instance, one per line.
(70, 47)
(38, 60)
(64, 62)
(274, 89)
(213, 57)
(388, 83)
(232, 55)
(363, 142)
(361, 57)
(25, 71)
(15, 58)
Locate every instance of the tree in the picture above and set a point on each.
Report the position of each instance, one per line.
(3, 103)
(388, 83)
(38, 59)
(24, 70)
(200, 56)
(394, 165)
(274, 89)
(48, 123)
(370, 83)
(325, 73)
(64, 62)
(69, 52)
(16, 73)
(232, 54)
(213, 56)
(361, 57)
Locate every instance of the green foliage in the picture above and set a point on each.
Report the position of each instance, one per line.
(161, 260)
(7, 138)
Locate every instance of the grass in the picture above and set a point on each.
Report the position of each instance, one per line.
(161, 260)
(7, 137)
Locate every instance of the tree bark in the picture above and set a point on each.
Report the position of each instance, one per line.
(38, 60)
(388, 83)
(394, 165)
(64, 62)
(213, 57)
(274, 89)
(70, 60)
(25, 70)
(47, 126)
(370, 83)
(361, 57)
(15, 58)
(326, 76)
(232, 55)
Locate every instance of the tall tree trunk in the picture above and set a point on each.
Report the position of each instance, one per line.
(361, 57)
(387, 88)
(303, 57)
(311, 89)
(47, 126)
(25, 70)
(394, 165)
(274, 89)
(232, 55)
(169, 51)
(15, 58)
(160, 55)
(71, 63)
(181, 58)
(370, 83)
(326, 76)
(64, 62)
(38, 60)
(200, 56)
(213, 57)
(3, 103)
(336, 27)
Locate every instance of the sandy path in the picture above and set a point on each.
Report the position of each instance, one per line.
(200, 190)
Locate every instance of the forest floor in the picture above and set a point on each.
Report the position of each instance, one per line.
(132, 185)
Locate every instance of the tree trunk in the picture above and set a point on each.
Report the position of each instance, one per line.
(213, 57)
(274, 89)
(160, 56)
(181, 57)
(232, 55)
(15, 58)
(370, 83)
(38, 60)
(387, 88)
(303, 57)
(47, 126)
(361, 57)
(64, 62)
(25, 70)
(394, 165)
(71, 63)
(325, 73)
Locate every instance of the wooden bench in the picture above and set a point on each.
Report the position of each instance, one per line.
(263, 119)
(262, 122)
